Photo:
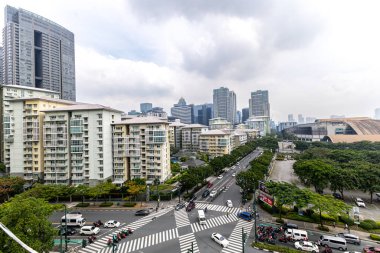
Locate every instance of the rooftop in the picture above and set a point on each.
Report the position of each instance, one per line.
(214, 132)
(143, 120)
(82, 107)
(351, 138)
(195, 126)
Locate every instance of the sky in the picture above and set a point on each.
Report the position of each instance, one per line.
(316, 57)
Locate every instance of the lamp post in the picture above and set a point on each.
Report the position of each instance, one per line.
(157, 182)
(179, 193)
(255, 212)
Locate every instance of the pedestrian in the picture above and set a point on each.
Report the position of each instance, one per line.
(156, 208)
(227, 214)
(206, 209)
(346, 227)
(334, 224)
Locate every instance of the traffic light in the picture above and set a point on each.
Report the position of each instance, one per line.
(84, 243)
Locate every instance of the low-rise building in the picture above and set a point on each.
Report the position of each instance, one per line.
(220, 123)
(215, 143)
(175, 134)
(190, 136)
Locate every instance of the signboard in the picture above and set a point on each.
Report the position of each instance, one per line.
(266, 198)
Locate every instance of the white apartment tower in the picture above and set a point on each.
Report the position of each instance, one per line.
(224, 104)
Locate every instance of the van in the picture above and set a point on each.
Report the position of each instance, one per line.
(350, 238)
(201, 217)
(296, 234)
(74, 220)
(333, 242)
(248, 216)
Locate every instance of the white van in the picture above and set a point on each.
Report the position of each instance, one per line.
(333, 242)
(73, 220)
(296, 234)
(201, 217)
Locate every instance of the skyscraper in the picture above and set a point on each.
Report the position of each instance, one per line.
(224, 104)
(182, 111)
(202, 114)
(259, 103)
(291, 118)
(301, 119)
(145, 107)
(245, 114)
(38, 53)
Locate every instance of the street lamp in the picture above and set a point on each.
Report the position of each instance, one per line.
(255, 212)
(179, 192)
(157, 182)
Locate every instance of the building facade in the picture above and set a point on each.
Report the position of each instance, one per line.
(175, 134)
(190, 136)
(244, 114)
(259, 104)
(141, 149)
(220, 123)
(182, 111)
(38, 53)
(145, 107)
(224, 104)
(215, 143)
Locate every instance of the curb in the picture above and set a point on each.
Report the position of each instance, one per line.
(265, 250)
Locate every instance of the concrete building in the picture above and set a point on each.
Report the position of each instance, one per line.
(182, 111)
(78, 144)
(224, 104)
(238, 117)
(7, 119)
(260, 123)
(38, 53)
(291, 118)
(145, 107)
(202, 114)
(245, 114)
(157, 112)
(284, 125)
(175, 134)
(215, 143)
(24, 142)
(301, 119)
(239, 138)
(141, 149)
(259, 104)
(220, 123)
(310, 119)
(190, 136)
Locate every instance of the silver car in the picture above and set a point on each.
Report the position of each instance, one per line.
(350, 238)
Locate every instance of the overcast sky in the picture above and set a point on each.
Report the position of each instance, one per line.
(317, 58)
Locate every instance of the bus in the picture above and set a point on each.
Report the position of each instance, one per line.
(201, 217)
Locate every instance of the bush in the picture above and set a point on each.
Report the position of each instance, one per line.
(323, 228)
(326, 217)
(296, 216)
(346, 220)
(129, 204)
(84, 204)
(368, 224)
(266, 207)
(281, 221)
(375, 237)
(275, 247)
(106, 204)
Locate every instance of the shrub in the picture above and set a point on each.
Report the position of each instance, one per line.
(106, 204)
(281, 221)
(368, 224)
(249, 196)
(275, 248)
(129, 204)
(346, 220)
(296, 216)
(375, 237)
(266, 207)
(323, 228)
(84, 204)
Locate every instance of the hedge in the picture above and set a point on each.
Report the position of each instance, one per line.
(275, 247)
(375, 237)
(346, 220)
(129, 204)
(84, 204)
(106, 204)
(369, 224)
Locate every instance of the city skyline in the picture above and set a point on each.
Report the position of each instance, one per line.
(310, 53)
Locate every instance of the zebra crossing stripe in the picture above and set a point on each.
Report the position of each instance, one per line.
(185, 243)
(235, 238)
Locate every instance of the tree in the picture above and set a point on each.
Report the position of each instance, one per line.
(248, 180)
(27, 218)
(343, 179)
(81, 190)
(134, 187)
(188, 181)
(11, 185)
(369, 179)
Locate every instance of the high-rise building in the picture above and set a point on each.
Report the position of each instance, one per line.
(310, 119)
(301, 119)
(259, 104)
(202, 114)
(245, 114)
(377, 113)
(224, 104)
(182, 111)
(38, 53)
(238, 117)
(145, 107)
(291, 118)
(1, 65)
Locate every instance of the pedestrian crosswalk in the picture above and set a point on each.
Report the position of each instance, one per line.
(218, 208)
(142, 242)
(100, 244)
(235, 238)
(214, 222)
(181, 218)
(187, 242)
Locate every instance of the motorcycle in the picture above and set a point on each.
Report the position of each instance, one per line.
(91, 239)
(327, 250)
(98, 223)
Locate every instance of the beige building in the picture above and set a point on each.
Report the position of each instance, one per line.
(141, 149)
(220, 123)
(215, 143)
(175, 133)
(190, 136)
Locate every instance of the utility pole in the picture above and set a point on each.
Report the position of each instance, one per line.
(179, 193)
(243, 238)
(255, 212)
(157, 182)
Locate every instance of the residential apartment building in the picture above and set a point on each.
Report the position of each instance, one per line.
(8, 93)
(24, 146)
(224, 104)
(220, 123)
(182, 111)
(141, 149)
(190, 136)
(238, 138)
(175, 134)
(38, 53)
(215, 143)
(77, 141)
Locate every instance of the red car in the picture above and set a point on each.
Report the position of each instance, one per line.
(209, 185)
(190, 206)
(371, 249)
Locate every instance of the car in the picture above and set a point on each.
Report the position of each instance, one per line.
(229, 203)
(350, 238)
(337, 195)
(205, 194)
(220, 176)
(218, 238)
(66, 231)
(193, 198)
(233, 167)
(190, 206)
(75, 212)
(179, 206)
(89, 230)
(306, 246)
(112, 224)
(213, 193)
(371, 249)
(378, 195)
(359, 202)
(233, 174)
(289, 225)
(142, 212)
(351, 252)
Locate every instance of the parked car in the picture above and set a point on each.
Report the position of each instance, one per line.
(359, 202)
(233, 174)
(74, 212)
(337, 195)
(112, 224)
(68, 231)
(205, 194)
(193, 198)
(209, 184)
(213, 193)
(179, 206)
(306, 246)
(89, 230)
(220, 176)
(142, 212)
(190, 206)
(371, 249)
(378, 195)
(218, 238)
(290, 225)
(229, 203)
(350, 238)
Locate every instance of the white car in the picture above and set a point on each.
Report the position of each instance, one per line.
(229, 203)
(112, 224)
(307, 246)
(220, 177)
(220, 239)
(233, 174)
(89, 230)
(212, 194)
(359, 202)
